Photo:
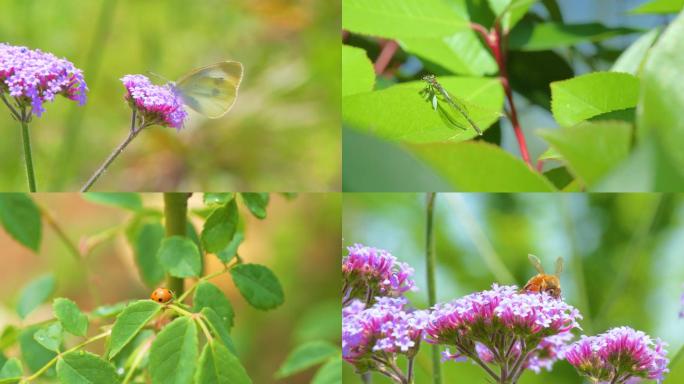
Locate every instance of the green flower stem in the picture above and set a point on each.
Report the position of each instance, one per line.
(112, 156)
(59, 355)
(28, 156)
(176, 217)
(431, 260)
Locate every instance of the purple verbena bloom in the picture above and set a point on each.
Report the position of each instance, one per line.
(534, 324)
(33, 77)
(619, 355)
(156, 104)
(386, 328)
(370, 272)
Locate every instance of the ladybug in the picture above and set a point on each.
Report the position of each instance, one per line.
(161, 295)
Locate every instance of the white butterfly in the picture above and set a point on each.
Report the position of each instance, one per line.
(211, 90)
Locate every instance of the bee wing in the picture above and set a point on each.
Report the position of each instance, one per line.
(536, 263)
(559, 266)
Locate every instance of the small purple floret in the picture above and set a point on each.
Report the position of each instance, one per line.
(619, 355)
(370, 272)
(386, 327)
(157, 104)
(33, 77)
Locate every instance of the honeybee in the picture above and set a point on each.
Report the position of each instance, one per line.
(542, 282)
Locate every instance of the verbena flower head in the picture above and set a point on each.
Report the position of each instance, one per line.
(619, 355)
(156, 104)
(33, 77)
(368, 272)
(387, 327)
(537, 325)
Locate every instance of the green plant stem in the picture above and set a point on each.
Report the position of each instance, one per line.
(180, 310)
(138, 358)
(199, 319)
(112, 156)
(431, 261)
(175, 216)
(59, 355)
(74, 121)
(28, 156)
(478, 237)
(204, 278)
(576, 265)
(677, 357)
(628, 263)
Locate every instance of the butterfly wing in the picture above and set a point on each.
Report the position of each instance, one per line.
(211, 90)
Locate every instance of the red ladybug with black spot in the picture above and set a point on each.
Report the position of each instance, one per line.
(162, 295)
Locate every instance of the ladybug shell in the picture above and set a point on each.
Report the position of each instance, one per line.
(161, 295)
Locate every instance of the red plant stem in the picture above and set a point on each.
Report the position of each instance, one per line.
(494, 39)
(388, 49)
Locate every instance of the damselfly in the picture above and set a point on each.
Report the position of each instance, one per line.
(434, 88)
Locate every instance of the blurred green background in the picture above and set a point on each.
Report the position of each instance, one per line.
(623, 258)
(297, 240)
(282, 135)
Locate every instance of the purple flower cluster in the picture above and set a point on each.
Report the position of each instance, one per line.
(619, 355)
(156, 104)
(387, 327)
(370, 272)
(535, 325)
(33, 77)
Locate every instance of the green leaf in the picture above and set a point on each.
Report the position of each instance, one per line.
(481, 167)
(461, 53)
(590, 95)
(648, 168)
(542, 36)
(662, 94)
(173, 353)
(400, 113)
(218, 198)
(34, 294)
(256, 203)
(8, 337)
(145, 240)
(218, 366)
(130, 322)
(20, 217)
(11, 369)
(230, 251)
(73, 320)
(220, 227)
(50, 337)
(180, 257)
(514, 11)
(258, 285)
(330, 372)
(306, 356)
(109, 310)
(399, 18)
(209, 295)
(592, 149)
(34, 355)
(357, 71)
(659, 6)
(631, 59)
(80, 367)
(218, 327)
(126, 200)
